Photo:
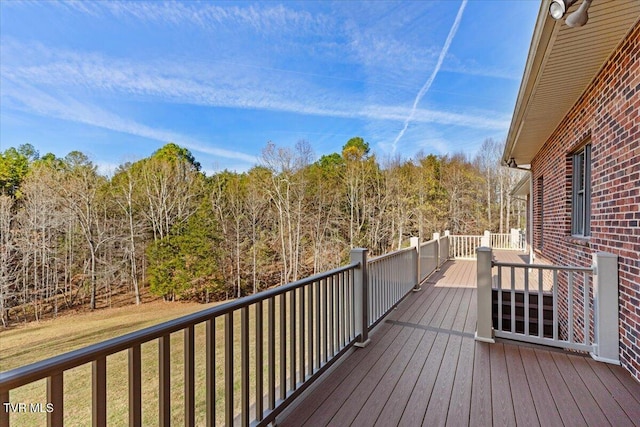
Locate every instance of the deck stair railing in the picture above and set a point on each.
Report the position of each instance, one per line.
(550, 305)
(269, 346)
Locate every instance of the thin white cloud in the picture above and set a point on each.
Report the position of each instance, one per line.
(433, 75)
(213, 86)
(262, 18)
(32, 100)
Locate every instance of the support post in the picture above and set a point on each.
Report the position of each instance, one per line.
(484, 326)
(415, 243)
(515, 238)
(361, 282)
(605, 307)
(448, 240)
(485, 240)
(436, 237)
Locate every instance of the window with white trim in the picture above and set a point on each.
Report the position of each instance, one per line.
(581, 192)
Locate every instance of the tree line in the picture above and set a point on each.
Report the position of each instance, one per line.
(70, 236)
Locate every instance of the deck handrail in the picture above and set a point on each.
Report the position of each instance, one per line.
(319, 318)
(463, 246)
(582, 314)
(39, 370)
(390, 278)
(542, 266)
(311, 302)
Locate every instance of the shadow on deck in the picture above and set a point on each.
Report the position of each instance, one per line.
(423, 367)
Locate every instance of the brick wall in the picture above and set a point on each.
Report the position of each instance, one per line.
(608, 114)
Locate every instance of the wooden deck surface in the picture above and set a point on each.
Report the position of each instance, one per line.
(423, 367)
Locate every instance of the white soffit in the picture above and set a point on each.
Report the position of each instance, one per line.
(562, 62)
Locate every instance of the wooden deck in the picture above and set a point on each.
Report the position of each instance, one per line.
(423, 367)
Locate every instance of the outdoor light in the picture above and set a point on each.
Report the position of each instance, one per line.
(580, 16)
(512, 163)
(558, 8)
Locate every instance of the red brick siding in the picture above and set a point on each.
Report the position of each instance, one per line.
(609, 114)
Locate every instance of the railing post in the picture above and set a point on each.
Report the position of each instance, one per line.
(436, 237)
(485, 240)
(361, 284)
(484, 326)
(447, 234)
(515, 238)
(605, 307)
(415, 243)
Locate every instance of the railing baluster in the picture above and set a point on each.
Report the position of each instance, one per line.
(228, 369)
(325, 320)
(570, 304)
(317, 326)
(164, 374)
(310, 314)
(526, 302)
(259, 362)
(336, 312)
(189, 377)
(244, 361)
(330, 311)
(302, 346)
(271, 357)
(99, 392)
(513, 300)
(4, 413)
(500, 298)
(293, 341)
(135, 386)
(55, 396)
(586, 311)
(555, 305)
(540, 305)
(283, 346)
(343, 319)
(211, 371)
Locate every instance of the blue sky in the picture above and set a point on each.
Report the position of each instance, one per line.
(117, 80)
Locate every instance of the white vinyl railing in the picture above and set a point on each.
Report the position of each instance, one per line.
(464, 246)
(573, 308)
(526, 320)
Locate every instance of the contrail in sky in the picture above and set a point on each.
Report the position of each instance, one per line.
(433, 75)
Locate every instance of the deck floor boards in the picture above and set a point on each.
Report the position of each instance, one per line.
(423, 367)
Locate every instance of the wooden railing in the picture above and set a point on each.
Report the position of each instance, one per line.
(271, 345)
(584, 304)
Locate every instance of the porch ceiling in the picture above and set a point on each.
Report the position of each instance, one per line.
(561, 64)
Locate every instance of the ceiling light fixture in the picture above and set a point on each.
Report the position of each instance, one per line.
(512, 163)
(580, 16)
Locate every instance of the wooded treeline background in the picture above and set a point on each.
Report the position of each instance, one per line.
(70, 236)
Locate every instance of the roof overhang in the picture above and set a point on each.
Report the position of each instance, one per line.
(521, 189)
(562, 62)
